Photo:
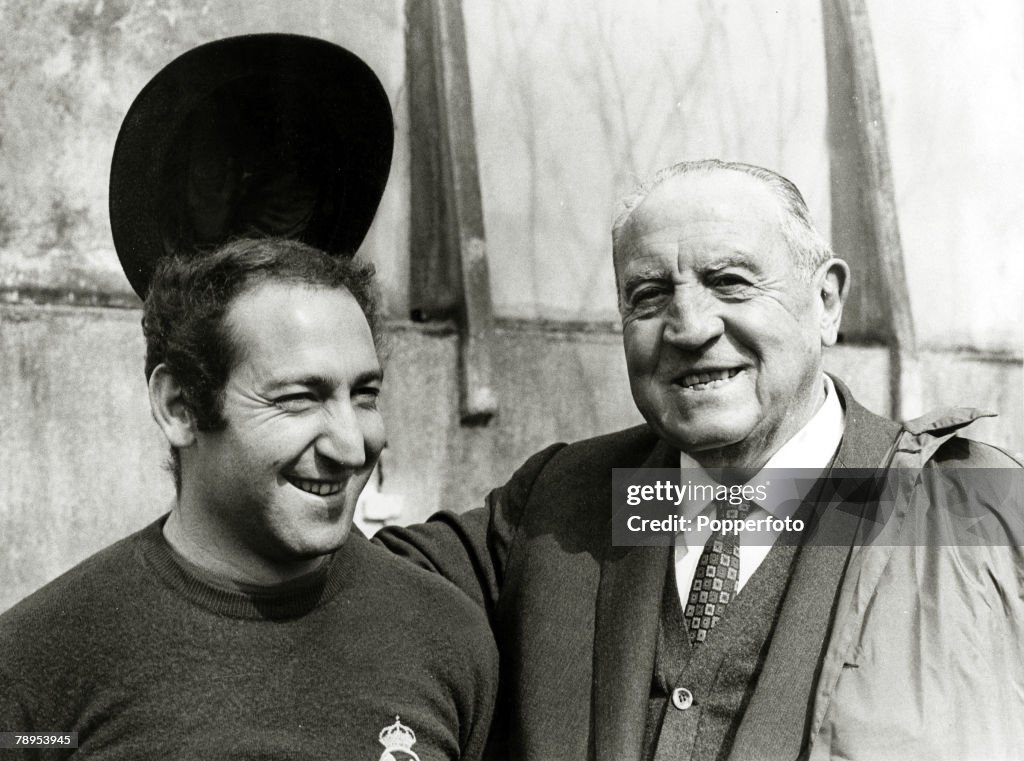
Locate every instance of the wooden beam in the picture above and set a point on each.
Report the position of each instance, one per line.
(449, 275)
(865, 226)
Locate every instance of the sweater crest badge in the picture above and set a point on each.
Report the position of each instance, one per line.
(398, 740)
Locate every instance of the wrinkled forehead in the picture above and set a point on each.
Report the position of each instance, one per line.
(275, 319)
(721, 206)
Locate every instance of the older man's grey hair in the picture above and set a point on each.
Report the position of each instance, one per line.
(806, 245)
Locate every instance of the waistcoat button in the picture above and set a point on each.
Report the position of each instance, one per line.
(682, 698)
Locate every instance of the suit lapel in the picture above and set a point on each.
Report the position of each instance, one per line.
(625, 636)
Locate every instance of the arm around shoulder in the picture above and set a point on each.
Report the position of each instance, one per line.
(470, 549)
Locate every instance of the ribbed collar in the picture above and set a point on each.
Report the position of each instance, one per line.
(288, 600)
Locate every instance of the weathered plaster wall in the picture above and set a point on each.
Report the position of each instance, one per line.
(79, 456)
(69, 71)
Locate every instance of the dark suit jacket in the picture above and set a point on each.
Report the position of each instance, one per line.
(576, 618)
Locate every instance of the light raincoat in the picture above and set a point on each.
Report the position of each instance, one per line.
(925, 657)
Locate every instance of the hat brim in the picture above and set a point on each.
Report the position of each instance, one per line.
(265, 134)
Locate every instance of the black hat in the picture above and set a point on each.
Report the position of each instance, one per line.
(264, 134)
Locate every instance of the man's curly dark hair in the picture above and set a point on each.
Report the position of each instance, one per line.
(189, 297)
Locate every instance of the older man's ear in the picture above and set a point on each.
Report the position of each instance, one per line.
(833, 285)
(169, 409)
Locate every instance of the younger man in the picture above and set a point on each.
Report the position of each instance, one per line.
(252, 622)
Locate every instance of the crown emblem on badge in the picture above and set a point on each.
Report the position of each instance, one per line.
(397, 737)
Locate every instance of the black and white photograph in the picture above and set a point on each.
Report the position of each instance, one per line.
(541, 380)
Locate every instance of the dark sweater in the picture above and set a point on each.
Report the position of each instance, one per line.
(143, 658)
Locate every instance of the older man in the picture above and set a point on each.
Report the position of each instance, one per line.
(902, 649)
(252, 622)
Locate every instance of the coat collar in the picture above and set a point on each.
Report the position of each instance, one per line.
(868, 437)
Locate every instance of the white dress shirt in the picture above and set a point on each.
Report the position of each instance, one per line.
(810, 449)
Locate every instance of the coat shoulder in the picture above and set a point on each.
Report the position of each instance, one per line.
(961, 451)
(629, 448)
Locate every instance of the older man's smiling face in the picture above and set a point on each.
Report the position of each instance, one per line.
(722, 330)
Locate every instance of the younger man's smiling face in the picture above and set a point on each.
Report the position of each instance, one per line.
(279, 483)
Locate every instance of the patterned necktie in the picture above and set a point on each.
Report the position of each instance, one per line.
(714, 581)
